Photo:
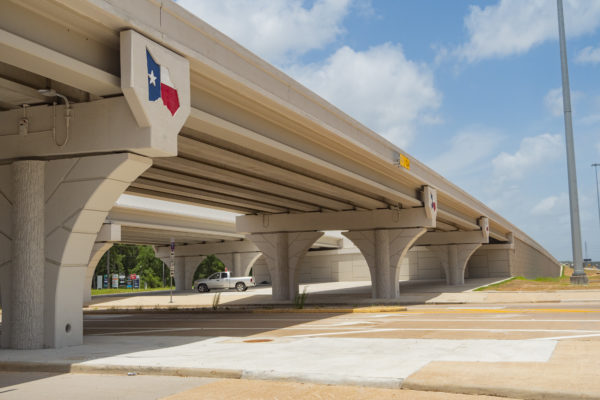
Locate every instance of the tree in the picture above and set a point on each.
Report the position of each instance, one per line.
(126, 259)
(210, 265)
(148, 266)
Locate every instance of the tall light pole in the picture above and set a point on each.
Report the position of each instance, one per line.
(597, 190)
(578, 277)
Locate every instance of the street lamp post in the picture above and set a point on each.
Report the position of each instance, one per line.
(578, 277)
(597, 190)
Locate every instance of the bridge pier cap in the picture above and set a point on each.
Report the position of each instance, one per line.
(156, 85)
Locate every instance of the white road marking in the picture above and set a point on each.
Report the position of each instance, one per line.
(403, 319)
(476, 308)
(494, 320)
(343, 333)
(567, 337)
(343, 324)
(445, 330)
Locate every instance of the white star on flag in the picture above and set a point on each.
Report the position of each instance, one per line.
(152, 78)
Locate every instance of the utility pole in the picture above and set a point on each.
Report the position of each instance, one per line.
(578, 277)
(597, 190)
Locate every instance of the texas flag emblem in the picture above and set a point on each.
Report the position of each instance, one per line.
(160, 85)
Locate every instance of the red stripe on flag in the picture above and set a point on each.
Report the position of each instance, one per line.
(169, 98)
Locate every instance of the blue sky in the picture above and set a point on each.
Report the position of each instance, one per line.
(471, 88)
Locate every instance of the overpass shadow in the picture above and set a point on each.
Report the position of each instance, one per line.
(119, 339)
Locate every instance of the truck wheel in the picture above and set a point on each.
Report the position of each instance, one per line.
(202, 288)
(240, 286)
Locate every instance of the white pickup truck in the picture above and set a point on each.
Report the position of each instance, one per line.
(223, 280)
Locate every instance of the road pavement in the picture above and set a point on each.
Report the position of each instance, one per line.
(513, 349)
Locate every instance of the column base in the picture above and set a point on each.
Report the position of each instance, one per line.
(579, 279)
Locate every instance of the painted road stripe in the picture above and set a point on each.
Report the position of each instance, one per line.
(343, 333)
(475, 308)
(503, 311)
(567, 337)
(404, 318)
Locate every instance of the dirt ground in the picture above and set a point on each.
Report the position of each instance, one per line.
(242, 389)
(549, 284)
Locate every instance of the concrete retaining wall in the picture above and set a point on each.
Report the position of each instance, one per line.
(531, 263)
(349, 265)
(492, 260)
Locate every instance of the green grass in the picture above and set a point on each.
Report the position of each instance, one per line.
(114, 291)
(560, 279)
(548, 279)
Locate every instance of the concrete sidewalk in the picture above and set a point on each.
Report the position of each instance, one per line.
(527, 369)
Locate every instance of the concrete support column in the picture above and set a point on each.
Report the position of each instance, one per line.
(229, 260)
(191, 263)
(283, 252)
(26, 326)
(383, 250)
(454, 259)
(6, 235)
(180, 283)
(247, 260)
(239, 263)
(97, 252)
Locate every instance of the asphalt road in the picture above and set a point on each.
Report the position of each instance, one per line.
(514, 322)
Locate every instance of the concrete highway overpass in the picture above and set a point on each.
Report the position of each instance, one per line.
(196, 235)
(142, 97)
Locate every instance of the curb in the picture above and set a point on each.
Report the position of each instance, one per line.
(320, 379)
(365, 310)
(18, 366)
(527, 394)
(62, 368)
(257, 310)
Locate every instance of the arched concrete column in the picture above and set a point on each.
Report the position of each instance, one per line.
(283, 252)
(230, 260)
(179, 273)
(239, 263)
(77, 195)
(191, 264)
(248, 260)
(454, 259)
(97, 252)
(383, 249)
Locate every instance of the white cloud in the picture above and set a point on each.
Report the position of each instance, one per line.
(379, 87)
(554, 101)
(515, 26)
(533, 153)
(276, 30)
(588, 55)
(551, 205)
(468, 152)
